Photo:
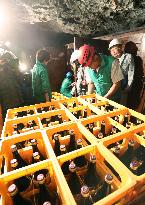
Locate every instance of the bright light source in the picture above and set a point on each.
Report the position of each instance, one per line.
(7, 43)
(4, 16)
(22, 67)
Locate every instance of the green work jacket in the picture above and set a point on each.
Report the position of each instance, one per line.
(66, 87)
(40, 82)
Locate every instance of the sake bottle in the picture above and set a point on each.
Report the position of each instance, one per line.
(72, 142)
(35, 148)
(86, 198)
(80, 161)
(65, 165)
(16, 197)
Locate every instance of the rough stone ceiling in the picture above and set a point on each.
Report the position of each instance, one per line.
(82, 17)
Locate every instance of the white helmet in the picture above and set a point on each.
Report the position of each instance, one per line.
(74, 56)
(114, 42)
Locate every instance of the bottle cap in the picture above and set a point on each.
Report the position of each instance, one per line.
(117, 118)
(114, 129)
(100, 135)
(109, 178)
(92, 158)
(62, 148)
(56, 136)
(14, 163)
(47, 203)
(103, 122)
(13, 147)
(15, 133)
(33, 142)
(71, 132)
(85, 191)
(28, 111)
(72, 167)
(12, 189)
(134, 164)
(14, 125)
(40, 178)
(131, 143)
(16, 114)
(116, 149)
(60, 116)
(36, 155)
(91, 125)
(48, 119)
(79, 141)
(30, 122)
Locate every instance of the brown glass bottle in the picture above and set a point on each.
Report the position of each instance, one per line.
(57, 144)
(105, 188)
(45, 194)
(103, 125)
(23, 182)
(35, 159)
(86, 198)
(72, 142)
(92, 179)
(74, 182)
(80, 161)
(16, 197)
(16, 155)
(129, 154)
(35, 148)
(65, 165)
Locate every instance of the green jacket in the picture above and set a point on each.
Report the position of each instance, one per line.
(40, 82)
(102, 79)
(66, 87)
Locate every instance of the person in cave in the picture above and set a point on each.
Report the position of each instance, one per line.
(104, 71)
(134, 96)
(127, 65)
(40, 79)
(67, 85)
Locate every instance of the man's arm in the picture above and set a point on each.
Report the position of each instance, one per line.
(113, 89)
(116, 77)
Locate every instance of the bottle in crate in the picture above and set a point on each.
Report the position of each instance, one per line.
(85, 113)
(74, 181)
(105, 189)
(57, 144)
(23, 182)
(45, 194)
(80, 161)
(47, 203)
(72, 143)
(35, 148)
(103, 125)
(91, 178)
(86, 198)
(126, 119)
(60, 118)
(65, 165)
(129, 154)
(16, 197)
(16, 155)
(35, 159)
(100, 135)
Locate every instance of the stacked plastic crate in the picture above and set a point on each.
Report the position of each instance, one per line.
(43, 122)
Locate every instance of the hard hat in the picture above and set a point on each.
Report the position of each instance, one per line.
(114, 42)
(69, 75)
(74, 56)
(85, 55)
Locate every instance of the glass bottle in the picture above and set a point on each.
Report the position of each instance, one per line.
(35, 148)
(134, 165)
(30, 124)
(100, 135)
(35, 159)
(105, 188)
(30, 112)
(57, 144)
(74, 181)
(128, 155)
(126, 119)
(16, 197)
(80, 161)
(91, 178)
(65, 165)
(103, 125)
(47, 203)
(45, 194)
(48, 121)
(60, 118)
(85, 113)
(23, 182)
(91, 127)
(86, 198)
(72, 142)
(74, 103)
(16, 155)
